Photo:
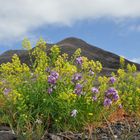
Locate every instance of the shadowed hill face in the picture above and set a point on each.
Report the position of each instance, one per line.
(7, 56)
(109, 60)
(106, 58)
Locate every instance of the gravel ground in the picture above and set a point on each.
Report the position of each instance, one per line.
(128, 129)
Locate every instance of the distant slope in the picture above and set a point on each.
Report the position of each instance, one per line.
(110, 61)
(6, 56)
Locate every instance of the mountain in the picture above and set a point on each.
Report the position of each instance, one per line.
(110, 61)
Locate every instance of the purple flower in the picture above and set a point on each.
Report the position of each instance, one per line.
(116, 97)
(94, 90)
(55, 74)
(6, 91)
(79, 60)
(52, 78)
(111, 91)
(107, 102)
(78, 89)
(50, 90)
(76, 77)
(94, 98)
(112, 80)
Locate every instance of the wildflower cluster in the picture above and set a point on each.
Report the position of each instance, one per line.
(76, 77)
(6, 91)
(52, 79)
(110, 95)
(79, 60)
(95, 91)
(61, 94)
(78, 89)
(112, 80)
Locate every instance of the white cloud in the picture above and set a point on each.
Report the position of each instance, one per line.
(18, 17)
(137, 60)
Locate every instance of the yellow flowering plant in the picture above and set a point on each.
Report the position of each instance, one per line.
(62, 93)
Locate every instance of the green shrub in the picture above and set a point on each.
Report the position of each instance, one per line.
(61, 94)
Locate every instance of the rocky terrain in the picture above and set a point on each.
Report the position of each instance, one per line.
(119, 126)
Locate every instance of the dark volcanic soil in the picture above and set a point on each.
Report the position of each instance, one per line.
(119, 126)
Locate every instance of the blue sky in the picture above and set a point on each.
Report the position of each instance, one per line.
(114, 29)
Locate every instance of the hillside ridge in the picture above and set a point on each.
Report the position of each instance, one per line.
(109, 60)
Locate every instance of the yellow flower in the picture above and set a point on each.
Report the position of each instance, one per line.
(90, 114)
(26, 44)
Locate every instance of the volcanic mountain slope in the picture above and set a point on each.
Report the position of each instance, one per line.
(110, 61)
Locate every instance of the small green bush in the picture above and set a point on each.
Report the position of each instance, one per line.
(59, 93)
